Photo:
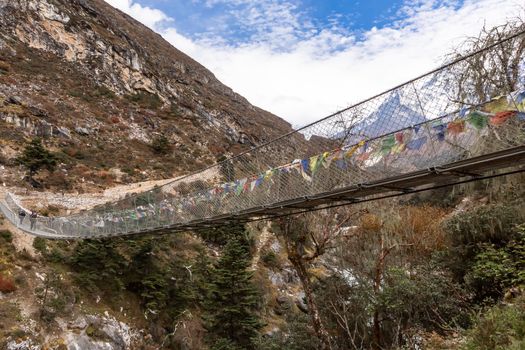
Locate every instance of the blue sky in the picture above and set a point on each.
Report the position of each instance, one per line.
(201, 18)
(304, 59)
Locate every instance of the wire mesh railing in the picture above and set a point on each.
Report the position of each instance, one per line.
(453, 113)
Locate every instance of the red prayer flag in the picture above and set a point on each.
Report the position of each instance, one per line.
(500, 117)
(456, 127)
(399, 137)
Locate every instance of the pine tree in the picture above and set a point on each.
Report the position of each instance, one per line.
(34, 157)
(231, 310)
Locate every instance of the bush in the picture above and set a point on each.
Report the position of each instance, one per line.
(269, 259)
(145, 99)
(35, 157)
(160, 145)
(470, 232)
(496, 269)
(6, 236)
(500, 328)
(40, 245)
(7, 285)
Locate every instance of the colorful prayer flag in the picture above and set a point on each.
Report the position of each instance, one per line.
(497, 104)
(305, 163)
(501, 117)
(417, 143)
(440, 131)
(456, 127)
(478, 120)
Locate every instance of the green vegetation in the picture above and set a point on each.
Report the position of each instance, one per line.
(231, 309)
(501, 327)
(40, 245)
(145, 100)
(161, 145)
(35, 157)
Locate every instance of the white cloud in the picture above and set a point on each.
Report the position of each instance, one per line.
(322, 71)
(147, 15)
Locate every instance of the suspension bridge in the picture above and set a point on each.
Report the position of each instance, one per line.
(449, 126)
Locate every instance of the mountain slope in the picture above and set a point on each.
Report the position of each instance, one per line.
(99, 87)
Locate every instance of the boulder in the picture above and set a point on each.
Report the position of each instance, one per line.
(82, 131)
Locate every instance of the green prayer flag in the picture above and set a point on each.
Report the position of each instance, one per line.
(387, 143)
(478, 120)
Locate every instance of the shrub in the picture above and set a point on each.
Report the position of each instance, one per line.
(500, 328)
(160, 145)
(6, 236)
(496, 269)
(471, 232)
(269, 259)
(40, 245)
(7, 285)
(35, 157)
(145, 99)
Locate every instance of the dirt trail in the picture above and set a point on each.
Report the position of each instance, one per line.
(76, 202)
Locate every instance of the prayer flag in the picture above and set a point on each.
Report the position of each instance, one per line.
(440, 131)
(400, 137)
(456, 127)
(400, 147)
(341, 163)
(501, 117)
(386, 144)
(478, 120)
(305, 164)
(327, 159)
(417, 143)
(314, 164)
(497, 104)
(253, 184)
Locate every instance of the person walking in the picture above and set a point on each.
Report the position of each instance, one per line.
(22, 215)
(32, 219)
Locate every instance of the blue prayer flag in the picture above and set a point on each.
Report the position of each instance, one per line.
(417, 143)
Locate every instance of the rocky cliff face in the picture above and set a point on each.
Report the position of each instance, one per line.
(99, 87)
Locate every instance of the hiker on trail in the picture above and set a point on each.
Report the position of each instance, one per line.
(22, 215)
(32, 219)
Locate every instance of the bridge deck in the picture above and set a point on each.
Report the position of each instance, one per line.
(474, 168)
